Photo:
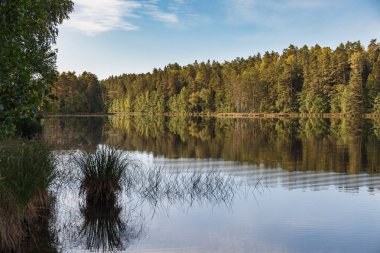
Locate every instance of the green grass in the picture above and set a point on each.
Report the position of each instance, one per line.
(27, 168)
(103, 173)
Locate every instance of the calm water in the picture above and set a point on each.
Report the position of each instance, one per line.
(265, 185)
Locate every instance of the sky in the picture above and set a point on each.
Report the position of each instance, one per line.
(112, 37)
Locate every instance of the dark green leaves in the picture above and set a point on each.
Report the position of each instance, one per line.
(28, 28)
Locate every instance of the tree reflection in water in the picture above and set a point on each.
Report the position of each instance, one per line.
(319, 151)
(310, 144)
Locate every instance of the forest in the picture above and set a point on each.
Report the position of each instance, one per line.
(306, 80)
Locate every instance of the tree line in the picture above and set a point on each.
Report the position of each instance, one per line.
(310, 80)
(76, 94)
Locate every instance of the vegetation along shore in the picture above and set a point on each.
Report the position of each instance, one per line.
(306, 81)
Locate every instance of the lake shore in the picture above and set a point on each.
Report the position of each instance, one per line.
(231, 115)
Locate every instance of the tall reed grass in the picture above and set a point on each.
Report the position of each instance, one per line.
(104, 172)
(27, 168)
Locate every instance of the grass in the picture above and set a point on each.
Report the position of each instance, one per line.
(103, 174)
(158, 187)
(27, 168)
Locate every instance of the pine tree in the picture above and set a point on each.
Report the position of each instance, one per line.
(355, 104)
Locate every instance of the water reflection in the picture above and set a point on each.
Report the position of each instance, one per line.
(113, 218)
(75, 132)
(106, 228)
(329, 145)
(228, 185)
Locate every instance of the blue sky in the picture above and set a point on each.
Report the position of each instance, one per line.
(111, 37)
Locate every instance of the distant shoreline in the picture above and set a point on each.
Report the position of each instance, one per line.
(231, 115)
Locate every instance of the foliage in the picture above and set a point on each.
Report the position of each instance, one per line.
(76, 94)
(310, 80)
(27, 166)
(355, 103)
(27, 31)
(376, 104)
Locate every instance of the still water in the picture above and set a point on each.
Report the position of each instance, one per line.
(263, 185)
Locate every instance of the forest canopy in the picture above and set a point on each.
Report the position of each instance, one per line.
(76, 94)
(310, 80)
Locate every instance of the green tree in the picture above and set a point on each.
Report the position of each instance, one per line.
(315, 80)
(77, 94)
(93, 92)
(373, 82)
(289, 84)
(28, 28)
(355, 104)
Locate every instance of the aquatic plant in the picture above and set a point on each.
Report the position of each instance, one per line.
(27, 169)
(103, 173)
(160, 187)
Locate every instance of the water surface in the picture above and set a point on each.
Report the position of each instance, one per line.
(292, 185)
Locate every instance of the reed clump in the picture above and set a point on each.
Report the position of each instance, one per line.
(103, 173)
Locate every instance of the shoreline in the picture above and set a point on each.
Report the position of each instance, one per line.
(232, 115)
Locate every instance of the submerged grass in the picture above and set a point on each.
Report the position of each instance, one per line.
(109, 173)
(158, 186)
(27, 168)
(105, 173)
(108, 170)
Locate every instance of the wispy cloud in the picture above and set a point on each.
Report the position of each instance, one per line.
(96, 16)
(152, 9)
(261, 10)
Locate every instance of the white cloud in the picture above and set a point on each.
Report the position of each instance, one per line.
(96, 16)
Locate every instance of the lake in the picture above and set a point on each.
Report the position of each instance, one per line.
(257, 185)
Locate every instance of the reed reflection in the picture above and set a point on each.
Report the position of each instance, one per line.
(105, 226)
(108, 228)
(115, 188)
